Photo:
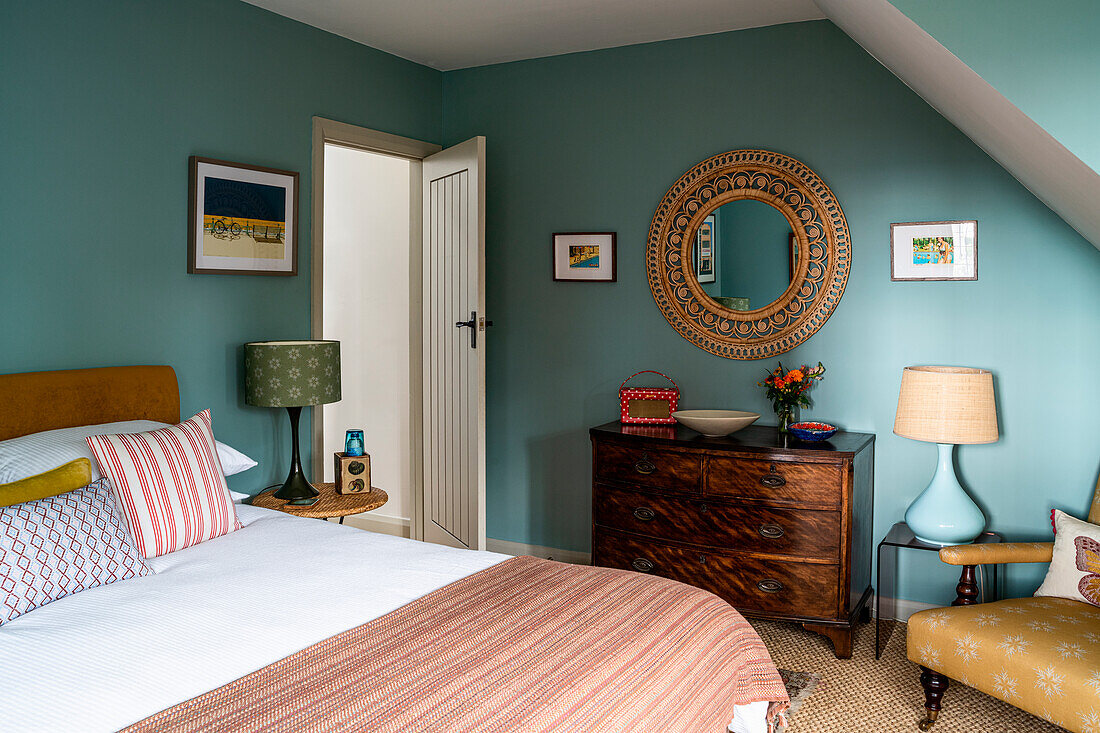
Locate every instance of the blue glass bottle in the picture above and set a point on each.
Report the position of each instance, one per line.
(353, 443)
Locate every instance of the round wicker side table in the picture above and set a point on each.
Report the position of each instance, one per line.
(329, 503)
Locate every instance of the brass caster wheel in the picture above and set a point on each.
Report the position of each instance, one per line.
(926, 724)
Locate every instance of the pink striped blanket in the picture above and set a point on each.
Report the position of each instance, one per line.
(527, 645)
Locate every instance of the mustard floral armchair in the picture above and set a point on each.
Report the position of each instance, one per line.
(1039, 654)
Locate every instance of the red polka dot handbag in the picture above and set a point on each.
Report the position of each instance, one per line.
(648, 405)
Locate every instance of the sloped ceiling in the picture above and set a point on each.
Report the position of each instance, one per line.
(1042, 56)
(1025, 149)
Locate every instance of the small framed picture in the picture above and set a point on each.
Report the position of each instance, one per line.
(705, 237)
(583, 256)
(934, 250)
(242, 219)
(792, 256)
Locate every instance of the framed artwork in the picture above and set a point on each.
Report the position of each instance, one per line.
(934, 250)
(792, 256)
(583, 256)
(705, 251)
(242, 219)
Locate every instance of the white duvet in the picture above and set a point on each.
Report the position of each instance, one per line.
(110, 656)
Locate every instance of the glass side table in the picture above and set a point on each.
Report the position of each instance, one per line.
(900, 536)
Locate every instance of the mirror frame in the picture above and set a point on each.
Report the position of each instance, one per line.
(820, 229)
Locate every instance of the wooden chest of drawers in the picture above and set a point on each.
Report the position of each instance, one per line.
(779, 528)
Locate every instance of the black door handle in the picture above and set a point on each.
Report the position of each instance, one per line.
(472, 324)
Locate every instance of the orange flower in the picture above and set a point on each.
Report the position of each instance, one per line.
(780, 384)
(794, 375)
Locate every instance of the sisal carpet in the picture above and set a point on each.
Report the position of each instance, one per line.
(865, 695)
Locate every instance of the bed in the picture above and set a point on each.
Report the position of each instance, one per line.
(372, 633)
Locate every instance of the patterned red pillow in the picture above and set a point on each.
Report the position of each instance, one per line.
(54, 547)
(169, 484)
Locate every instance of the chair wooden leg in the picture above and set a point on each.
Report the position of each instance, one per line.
(934, 684)
(967, 589)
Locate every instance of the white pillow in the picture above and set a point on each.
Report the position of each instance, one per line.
(32, 454)
(238, 496)
(232, 460)
(1075, 568)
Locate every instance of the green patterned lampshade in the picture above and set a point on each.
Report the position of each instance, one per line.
(291, 373)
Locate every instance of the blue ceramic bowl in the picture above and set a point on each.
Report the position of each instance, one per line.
(812, 431)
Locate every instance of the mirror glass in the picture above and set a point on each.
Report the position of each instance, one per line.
(745, 254)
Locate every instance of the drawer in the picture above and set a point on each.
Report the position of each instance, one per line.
(646, 466)
(748, 584)
(727, 525)
(802, 483)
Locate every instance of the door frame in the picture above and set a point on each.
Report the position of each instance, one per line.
(332, 132)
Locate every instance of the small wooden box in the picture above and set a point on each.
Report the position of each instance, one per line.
(351, 473)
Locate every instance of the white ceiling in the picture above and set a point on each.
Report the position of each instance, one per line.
(1046, 167)
(455, 34)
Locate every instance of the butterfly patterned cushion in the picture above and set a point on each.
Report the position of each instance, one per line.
(1075, 569)
(1039, 654)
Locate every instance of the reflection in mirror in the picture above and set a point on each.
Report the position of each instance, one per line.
(745, 254)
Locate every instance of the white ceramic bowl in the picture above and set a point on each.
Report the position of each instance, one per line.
(716, 423)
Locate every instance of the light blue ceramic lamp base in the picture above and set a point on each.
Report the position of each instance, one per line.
(944, 514)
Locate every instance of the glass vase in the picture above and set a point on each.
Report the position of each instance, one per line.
(785, 415)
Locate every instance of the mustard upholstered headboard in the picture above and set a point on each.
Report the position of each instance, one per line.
(35, 401)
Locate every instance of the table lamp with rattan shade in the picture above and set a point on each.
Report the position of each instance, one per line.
(292, 374)
(948, 406)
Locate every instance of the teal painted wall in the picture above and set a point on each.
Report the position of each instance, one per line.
(100, 106)
(1042, 56)
(590, 142)
(754, 262)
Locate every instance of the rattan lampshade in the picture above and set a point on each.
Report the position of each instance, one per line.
(940, 404)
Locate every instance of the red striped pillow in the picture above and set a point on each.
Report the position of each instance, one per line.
(169, 484)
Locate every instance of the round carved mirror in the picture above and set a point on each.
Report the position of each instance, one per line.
(748, 254)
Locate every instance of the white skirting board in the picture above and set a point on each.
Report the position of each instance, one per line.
(505, 547)
(902, 608)
(380, 523)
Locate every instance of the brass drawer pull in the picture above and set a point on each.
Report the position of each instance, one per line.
(770, 585)
(773, 480)
(704, 508)
(770, 531)
(703, 559)
(644, 466)
(644, 513)
(642, 565)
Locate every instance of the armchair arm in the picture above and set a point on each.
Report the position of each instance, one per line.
(996, 554)
(971, 555)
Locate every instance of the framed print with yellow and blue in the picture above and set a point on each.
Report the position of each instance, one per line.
(242, 219)
(583, 257)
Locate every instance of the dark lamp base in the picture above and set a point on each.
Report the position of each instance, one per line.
(303, 502)
(296, 488)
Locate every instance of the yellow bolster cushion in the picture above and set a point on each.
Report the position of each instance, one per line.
(68, 477)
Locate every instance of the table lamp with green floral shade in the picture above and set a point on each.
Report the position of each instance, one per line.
(292, 374)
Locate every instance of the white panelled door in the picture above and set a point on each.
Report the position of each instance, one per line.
(454, 346)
